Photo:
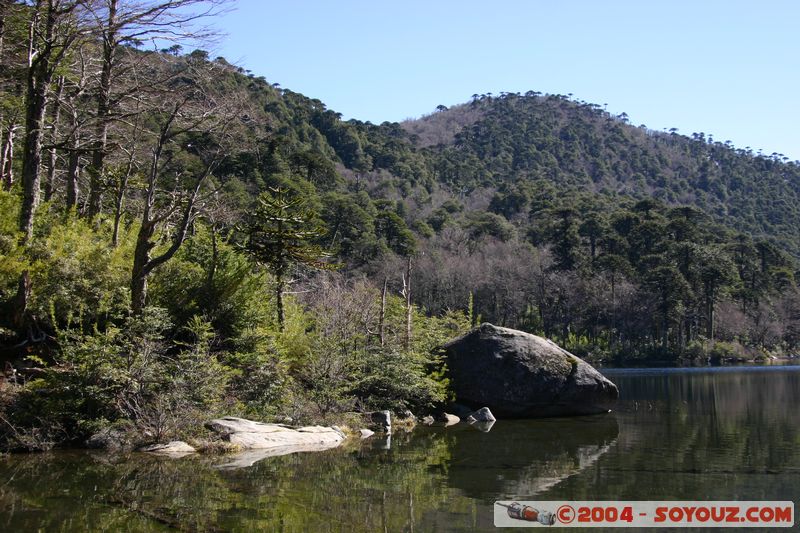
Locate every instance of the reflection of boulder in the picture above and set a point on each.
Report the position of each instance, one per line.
(522, 458)
(520, 375)
(483, 426)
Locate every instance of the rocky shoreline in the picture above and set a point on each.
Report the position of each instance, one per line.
(247, 438)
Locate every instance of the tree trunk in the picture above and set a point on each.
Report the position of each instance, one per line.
(40, 73)
(279, 288)
(709, 312)
(4, 5)
(119, 201)
(141, 258)
(49, 185)
(382, 323)
(7, 156)
(32, 152)
(96, 170)
(73, 171)
(21, 300)
(408, 304)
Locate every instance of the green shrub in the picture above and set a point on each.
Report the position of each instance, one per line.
(132, 373)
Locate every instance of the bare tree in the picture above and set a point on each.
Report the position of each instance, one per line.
(55, 127)
(409, 306)
(13, 55)
(173, 185)
(125, 22)
(54, 27)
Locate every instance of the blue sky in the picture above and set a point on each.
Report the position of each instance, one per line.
(728, 68)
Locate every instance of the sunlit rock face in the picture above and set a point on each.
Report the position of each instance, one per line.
(248, 434)
(519, 375)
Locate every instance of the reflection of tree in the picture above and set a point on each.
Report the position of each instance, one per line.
(727, 435)
(352, 488)
(709, 435)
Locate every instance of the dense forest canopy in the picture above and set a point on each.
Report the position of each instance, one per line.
(166, 213)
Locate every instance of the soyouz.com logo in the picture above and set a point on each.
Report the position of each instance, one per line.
(756, 514)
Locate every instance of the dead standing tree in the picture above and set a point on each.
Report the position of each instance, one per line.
(121, 23)
(178, 172)
(54, 27)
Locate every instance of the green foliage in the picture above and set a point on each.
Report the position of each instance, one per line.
(489, 224)
(348, 364)
(217, 282)
(393, 230)
(281, 236)
(577, 145)
(130, 373)
(702, 349)
(76, 275)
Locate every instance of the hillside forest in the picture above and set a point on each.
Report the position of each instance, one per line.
(181, 237)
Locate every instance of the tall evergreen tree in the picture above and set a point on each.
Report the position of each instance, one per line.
(283, 234)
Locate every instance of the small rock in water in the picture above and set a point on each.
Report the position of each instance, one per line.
(448, 420)
(176, 447)
(481, 415)
(441, 419)
(382, 420)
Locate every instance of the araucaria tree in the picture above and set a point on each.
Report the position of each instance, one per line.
(283, 234)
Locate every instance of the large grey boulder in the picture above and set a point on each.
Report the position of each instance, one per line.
(248, 434)
(519, 375)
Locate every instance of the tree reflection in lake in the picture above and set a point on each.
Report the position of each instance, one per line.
(676, 435)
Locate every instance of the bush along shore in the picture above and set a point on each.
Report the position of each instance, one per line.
(210, 342)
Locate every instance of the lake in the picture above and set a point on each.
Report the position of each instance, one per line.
(726, 433)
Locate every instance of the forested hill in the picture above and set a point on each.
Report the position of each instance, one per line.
(554, 216)
(515, 142)
(512, 140)
(521, 146)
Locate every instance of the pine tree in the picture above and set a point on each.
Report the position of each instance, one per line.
(282, 234)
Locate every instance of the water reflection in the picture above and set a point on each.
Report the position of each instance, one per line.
(676, 435)
(519, 459)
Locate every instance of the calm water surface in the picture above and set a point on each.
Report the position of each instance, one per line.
(678, 434)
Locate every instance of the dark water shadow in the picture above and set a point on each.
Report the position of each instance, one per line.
(522, 458)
